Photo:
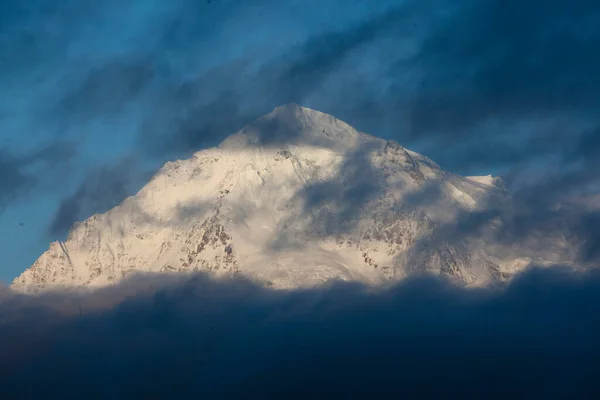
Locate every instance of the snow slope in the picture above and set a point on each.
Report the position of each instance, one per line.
(294, 199)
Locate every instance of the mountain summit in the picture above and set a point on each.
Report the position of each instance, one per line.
(295, 124)
(294, 199)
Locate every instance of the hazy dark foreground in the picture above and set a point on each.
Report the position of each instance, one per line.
(174, 337)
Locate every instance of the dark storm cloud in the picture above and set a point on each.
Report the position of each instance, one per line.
(101, 189)
(230, 339)
(550, 203)
(19, 173)
(205, 110)
(509, 59)
(507, 81)
(496, 84)
(475, 62)
(12, 179)
(106, 89)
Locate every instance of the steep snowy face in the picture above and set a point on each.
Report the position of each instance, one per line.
(294, 199)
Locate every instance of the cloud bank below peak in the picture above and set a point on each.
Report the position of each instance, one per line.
(191, 335)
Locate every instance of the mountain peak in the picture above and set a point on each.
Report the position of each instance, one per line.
(294, 199)
(294, 124)
(293, 107)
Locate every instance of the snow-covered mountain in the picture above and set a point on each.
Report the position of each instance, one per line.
(293, 199)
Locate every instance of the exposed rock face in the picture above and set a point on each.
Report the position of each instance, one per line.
(294, 199)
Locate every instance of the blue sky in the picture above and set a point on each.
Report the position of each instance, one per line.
(97, 94)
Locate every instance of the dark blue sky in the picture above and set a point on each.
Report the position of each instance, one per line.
(95, 95)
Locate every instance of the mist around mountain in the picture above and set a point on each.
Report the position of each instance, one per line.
(297, 198)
